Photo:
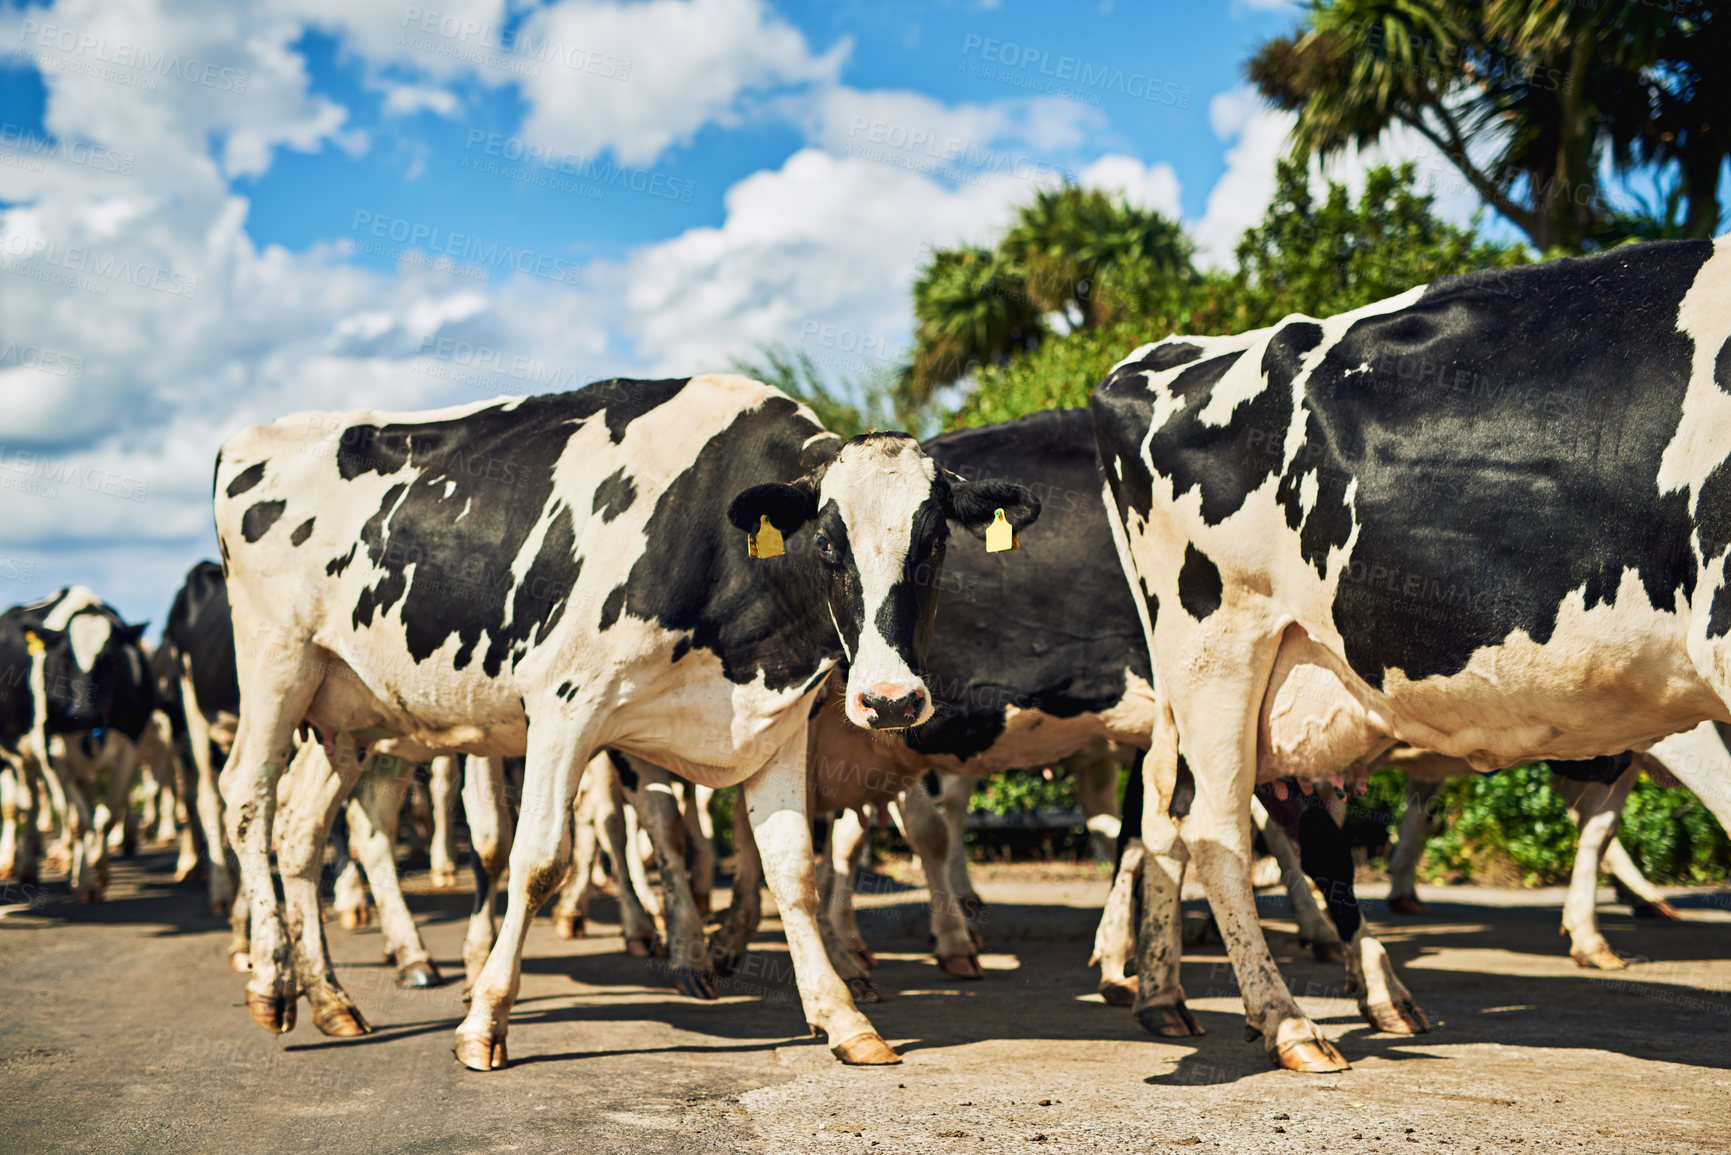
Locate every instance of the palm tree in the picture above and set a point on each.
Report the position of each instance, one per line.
(1069, 238)
(970, 309)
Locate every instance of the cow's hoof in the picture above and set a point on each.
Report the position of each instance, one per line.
(961, 966)
(1601, 958)
(695, 983)
(1311, 1056)
(479, 1052)
(1332, 953)
(240, 961)
(864, 957)
(274, 1012)
(866, 1049)
(419, 976)
(702, 902)
(1660, 909)
(341, 1021)
(568, 925)
(90, 894)
(864, 990)
(355, 917)
(221, 907)
(643, 947)
(443, 877)
(1401, 1017)
(1406, 904)
(1120, 992)
(724, 962)
(1169, 1022)
(975, 937)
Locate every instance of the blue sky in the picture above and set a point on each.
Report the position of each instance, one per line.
(213, 214)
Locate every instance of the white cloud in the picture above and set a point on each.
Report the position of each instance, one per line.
(1154, 186)
(407, 99)
(635, 79)
(1241, 196)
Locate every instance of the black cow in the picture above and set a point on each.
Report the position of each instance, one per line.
(70, 668)
(1488, 517)
(581, 560)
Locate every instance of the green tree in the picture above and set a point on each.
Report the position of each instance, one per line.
(970, 309)
(847, 405)
(1526, 98)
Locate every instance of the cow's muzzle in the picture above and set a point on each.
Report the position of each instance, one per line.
(886, 707)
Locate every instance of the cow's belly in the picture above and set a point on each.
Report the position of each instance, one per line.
(437, 708)
(1033, 737)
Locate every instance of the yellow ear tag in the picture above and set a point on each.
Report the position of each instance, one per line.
(34, 644)
(767, 542)
(1001, 535)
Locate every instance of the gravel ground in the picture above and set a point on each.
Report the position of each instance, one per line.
(122, 1031)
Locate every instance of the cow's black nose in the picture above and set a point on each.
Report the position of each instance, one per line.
(892, 713)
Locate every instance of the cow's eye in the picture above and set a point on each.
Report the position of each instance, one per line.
(826, 550)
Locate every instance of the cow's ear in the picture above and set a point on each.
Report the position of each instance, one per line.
(787, 506)
(133, 633)
(974, 504)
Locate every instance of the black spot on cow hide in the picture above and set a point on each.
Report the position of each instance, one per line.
(302, 531)
(615, 495)
(1199, 585)
(256, 522)
(246, 479)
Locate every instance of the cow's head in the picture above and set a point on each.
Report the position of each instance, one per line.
(877, 514)
(86, 664)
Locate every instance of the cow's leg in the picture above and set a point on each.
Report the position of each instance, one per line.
(741, 919)
(700, 843)
(618, 830)
(571, 910)
(775, 798)
(10, 774)
(1597, 808)
(1314, 928)
(847, 964)
(651, 792)
(318, 788)
(489, 818)
(210, 818)
(1115, 938)
(1096, 774)
(928, 834)
(848, 841)
(559, 749)
(953, 797)
(116, 802)
(1217, 723)
(1624, 870)
(1409, 848)
(349, 898)
(69, 775)
(636, 869)
(372, 814)
(1159, 1002)
(442, 778)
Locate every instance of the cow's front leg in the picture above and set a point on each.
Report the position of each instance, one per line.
(372, 814)
(1115, 937)
(115, 807)
(1404, 859)
(318, 787)
(1217, 717)
(490, 835)
(928, 834)
(727, 946)
(559, 749)
(442, 777)
(651, 792)
(775, 799)
(1314, 928)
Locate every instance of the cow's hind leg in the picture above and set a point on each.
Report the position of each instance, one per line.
(848, 842)
(489, 817)
(209, 797)
(1645, 897)
(928, 834)
(571, 909)
(740, 920)
(847, 964)
(700, 842)
(318, 787)
(442, 778)
(559, 748)
(1403, 861)
(1159, 995)
(372, 814)
(1597, 808)
(650, 790)
(617, 825)
(1314, 928)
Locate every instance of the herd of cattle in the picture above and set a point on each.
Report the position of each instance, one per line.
(1481, 523)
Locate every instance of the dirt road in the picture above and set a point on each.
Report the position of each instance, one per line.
(121, 1030)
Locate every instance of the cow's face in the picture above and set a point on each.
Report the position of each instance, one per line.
(84, 665)
(878, 514)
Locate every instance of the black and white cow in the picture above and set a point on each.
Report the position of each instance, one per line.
(580, 560)
(70, 667)
(1487, 517)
